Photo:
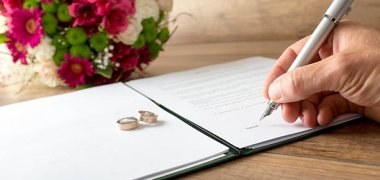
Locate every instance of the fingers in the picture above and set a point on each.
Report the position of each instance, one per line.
(306, 110)
(283, 63)
(319, 110)
(308, 114)
(334, 105)
(303, 82)
(291, 111)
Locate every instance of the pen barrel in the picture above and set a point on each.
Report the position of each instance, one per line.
(314, 43)
(338, 9)
(333, 15)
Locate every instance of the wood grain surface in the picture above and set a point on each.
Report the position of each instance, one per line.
(225, 30)
(253, 20)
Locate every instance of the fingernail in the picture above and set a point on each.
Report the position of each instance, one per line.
(275, 91)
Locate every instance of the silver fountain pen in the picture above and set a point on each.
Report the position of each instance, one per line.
(331, 18)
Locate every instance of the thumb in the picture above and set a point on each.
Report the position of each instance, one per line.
(303, 82)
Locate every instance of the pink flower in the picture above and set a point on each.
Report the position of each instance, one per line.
(117, 75)
(125, 56)
(115, 14)
(127, 5)
(46, 1)
(25, 26)
(84, 12)
(10, 5)
(18, 50)
(2, 8)
(115, 21)
(74, 70)
(104, 6)
(144, 54)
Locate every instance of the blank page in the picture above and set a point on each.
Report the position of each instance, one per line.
(75, 136)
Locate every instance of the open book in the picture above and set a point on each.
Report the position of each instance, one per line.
(206, 116)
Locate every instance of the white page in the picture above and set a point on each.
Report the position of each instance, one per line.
(225, 99)
(75, 136)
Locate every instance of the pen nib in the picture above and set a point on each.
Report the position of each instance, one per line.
(270, 108)
(264, 115)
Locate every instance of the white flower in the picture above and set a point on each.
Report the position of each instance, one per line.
(47, 73)
(44, 64)
(130, 35)
(146, 9)
(10, 72)
(43, 51)
(165, 5)
(3, 24)
(13, 73)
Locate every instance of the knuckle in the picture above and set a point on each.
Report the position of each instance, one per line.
(341, 68)
(294, 85)
(342, 62)
(325, 51)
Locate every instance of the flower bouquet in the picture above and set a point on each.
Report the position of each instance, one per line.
(82, 42)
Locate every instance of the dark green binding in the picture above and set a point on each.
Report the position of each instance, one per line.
(249, 151)
(234, 152)
(229, 157)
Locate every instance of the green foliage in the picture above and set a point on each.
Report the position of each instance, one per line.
(83, 86)
(3, 38)
(140, 42)
(49, 23)
(76, 36)
(150, 30)
(59, 56)
(49, 7)
(107, 73)
(82, 51)
(63, 13)
(154, 49)
(161, 17)
(60, 42)
(148, 23)
(164, 35)
(150, 34)
(30, 4)
(99, 41)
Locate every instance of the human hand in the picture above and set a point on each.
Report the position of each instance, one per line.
(344, 76)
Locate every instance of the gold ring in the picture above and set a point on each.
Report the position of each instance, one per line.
(148, 117)
(128, 123)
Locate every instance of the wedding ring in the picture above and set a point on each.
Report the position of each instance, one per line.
(128, 123)
(148, 117)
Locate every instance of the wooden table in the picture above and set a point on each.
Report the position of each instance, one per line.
(348, 152)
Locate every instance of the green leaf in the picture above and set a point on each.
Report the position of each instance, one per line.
(154, 49)
(140, 42)
(30, 4)
(150, 30)
(49, 23)
(3, 38)
(107, 73)
(83, 86)
(148, 23)
(76, 36)
(150, 34)
(161, 17)
(82, 51)
(164, 35)
(59, 56)
(63, 13)
(99, 41)
(60, 42)
(49, 7)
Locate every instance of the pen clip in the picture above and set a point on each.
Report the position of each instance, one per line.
(352, 7)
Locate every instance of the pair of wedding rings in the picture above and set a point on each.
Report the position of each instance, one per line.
(130, 123)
